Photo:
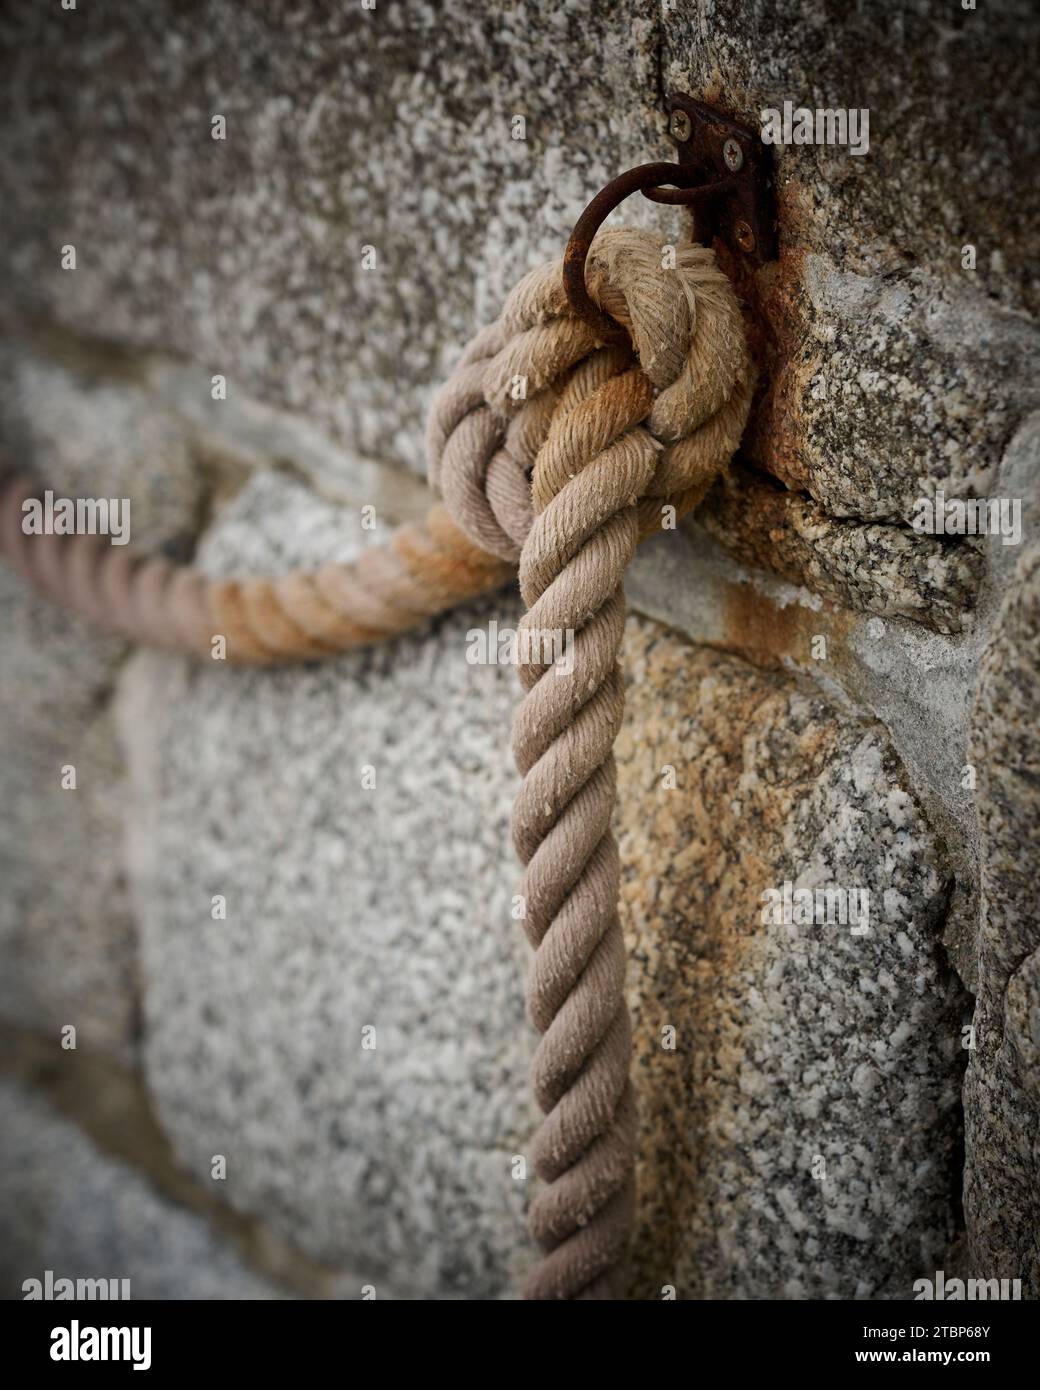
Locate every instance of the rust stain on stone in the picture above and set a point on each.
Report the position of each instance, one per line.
(776, 321)
(753, 624)
(756, 517)
(768, 633)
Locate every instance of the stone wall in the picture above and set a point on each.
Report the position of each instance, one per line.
(840, 699)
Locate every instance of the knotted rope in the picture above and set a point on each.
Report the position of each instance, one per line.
(608, 440)
(556, 453)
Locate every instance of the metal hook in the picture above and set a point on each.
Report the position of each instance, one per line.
(722, 167)
(647, 179)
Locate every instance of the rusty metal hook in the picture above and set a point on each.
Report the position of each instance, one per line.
(648, 179)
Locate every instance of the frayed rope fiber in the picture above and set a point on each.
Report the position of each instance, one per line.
(557, 454)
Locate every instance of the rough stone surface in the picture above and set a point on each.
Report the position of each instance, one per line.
(345, 129)
(871, 568)
(919, 683)
(65, 926)
(84, 430)
(921, 70)
(346, 909)
(1002, 1093)
(889, 370)
(884, 385)
(66, 1207)
(801, 1138)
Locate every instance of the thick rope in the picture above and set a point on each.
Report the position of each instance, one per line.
(425, 568)
(556, 453)
(610, 443)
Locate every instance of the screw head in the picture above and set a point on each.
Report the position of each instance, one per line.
(733, 155)
(679, 126)
(745, 237)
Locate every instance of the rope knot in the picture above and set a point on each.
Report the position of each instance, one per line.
(683, 386)
(557, 451)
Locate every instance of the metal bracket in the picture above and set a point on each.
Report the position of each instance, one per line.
(732, 162)
(722, 176)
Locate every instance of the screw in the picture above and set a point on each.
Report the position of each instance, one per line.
(680, 127)
(745, 237)
(733, 155)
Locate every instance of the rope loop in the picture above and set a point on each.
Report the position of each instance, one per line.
(685, 336)
(557, 447)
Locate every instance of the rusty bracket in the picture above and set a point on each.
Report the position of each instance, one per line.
(731, 160)
(722, 175)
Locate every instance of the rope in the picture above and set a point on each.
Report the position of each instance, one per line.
(425, 568)
(610, 442)
(557, 454)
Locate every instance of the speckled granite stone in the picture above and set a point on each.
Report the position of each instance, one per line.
(1002, 1093)
(871, 568)
(67, 1207)
(887, 382)
(889, 369)
(921, 70)
(346, 908)
(391, 908)
(795, 1045)
(391, 129)
(66, 932)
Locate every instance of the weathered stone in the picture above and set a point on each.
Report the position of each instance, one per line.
(800, 1139)
(65, 920)
(83, 429)
(68, 1208)
(1002, 1092)
(922, 72)
(346, 129)
(348, 908)
(884, 386)
(919, 683)
(888, 369)
(870, 568)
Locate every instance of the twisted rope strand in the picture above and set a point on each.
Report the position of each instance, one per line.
(574, 557)
(425, 568)
(621, 434)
